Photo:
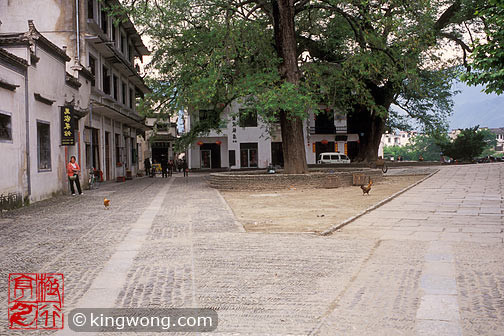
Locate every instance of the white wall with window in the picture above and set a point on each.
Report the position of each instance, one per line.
(13, 179)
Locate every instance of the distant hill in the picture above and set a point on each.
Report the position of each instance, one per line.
(473, 107)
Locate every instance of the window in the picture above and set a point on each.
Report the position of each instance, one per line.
(124, 92)
(116, 88)
(124, 45)
(133, 152)
(5, 127)
(43, 145)
(131, 54)
(104, 20)
(232, 158)
(335, 157)
(248, 118)
(90, 9)
(204, 115)
(132, 97)
(118, 148)
(114, 31)
(92, 66)
(324, 122)
(106, 80)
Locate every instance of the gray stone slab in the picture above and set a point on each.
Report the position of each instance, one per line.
(438, 328)
(437, 284)
(438, 307)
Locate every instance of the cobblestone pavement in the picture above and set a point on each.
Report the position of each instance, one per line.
(430, 262)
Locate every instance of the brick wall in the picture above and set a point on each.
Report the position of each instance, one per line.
(259, 180)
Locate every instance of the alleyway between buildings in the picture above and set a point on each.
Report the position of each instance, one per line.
(430, 262)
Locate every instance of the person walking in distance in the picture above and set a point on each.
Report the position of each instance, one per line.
(185, 168)
(73, 171)
(170, 168)
(147, 166)
(164, 167)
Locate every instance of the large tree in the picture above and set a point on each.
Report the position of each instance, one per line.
(386, 53)
(487, 66)
(210, 53)
(289, 56)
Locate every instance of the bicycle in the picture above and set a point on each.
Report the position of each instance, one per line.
(381, 164)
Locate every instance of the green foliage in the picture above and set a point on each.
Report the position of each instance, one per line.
(425, 146)
(469, 144)
(373, 54)
(487, 67)
(354, 55)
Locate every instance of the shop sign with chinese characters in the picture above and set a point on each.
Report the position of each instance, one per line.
(67, 126)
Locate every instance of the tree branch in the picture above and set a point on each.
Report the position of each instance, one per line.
(447, 16)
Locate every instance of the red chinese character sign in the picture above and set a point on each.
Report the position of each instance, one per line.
(36, 301)
(67, 126)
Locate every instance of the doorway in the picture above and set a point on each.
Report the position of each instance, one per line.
(107, 155)
(248, 155)
(277, 154)
(210, 157)
(205, 159)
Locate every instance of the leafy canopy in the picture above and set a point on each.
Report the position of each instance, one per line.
(468, 145)
(487, 65)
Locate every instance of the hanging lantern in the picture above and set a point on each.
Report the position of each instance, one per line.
(324, 142)
(199, 143)
(218, 142)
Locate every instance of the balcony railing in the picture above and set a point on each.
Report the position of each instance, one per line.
(328, 130)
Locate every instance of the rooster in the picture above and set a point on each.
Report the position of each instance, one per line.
(366, 189)
(106, 203)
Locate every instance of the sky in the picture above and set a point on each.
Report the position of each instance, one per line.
(474, 107)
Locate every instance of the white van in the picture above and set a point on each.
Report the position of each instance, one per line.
(332, 158)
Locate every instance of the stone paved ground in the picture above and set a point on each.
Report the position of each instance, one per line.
(430, 262)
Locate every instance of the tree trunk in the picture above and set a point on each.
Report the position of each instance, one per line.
(293, 145)
(372, 125)
(371, 130)
(292, 127)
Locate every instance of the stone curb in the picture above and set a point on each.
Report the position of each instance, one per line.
(373, 207)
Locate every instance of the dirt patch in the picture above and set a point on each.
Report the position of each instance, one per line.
(308, 210)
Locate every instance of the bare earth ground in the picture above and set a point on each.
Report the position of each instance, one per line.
(308, 210)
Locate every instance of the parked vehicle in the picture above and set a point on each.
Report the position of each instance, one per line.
(328, 158)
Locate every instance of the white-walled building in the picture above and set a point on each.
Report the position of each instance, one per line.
(246, 141)
(100, 69)
(499, 136)
(401, 138)
(34, 86)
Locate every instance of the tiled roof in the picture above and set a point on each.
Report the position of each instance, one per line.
(29, 37)
(4, 54)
